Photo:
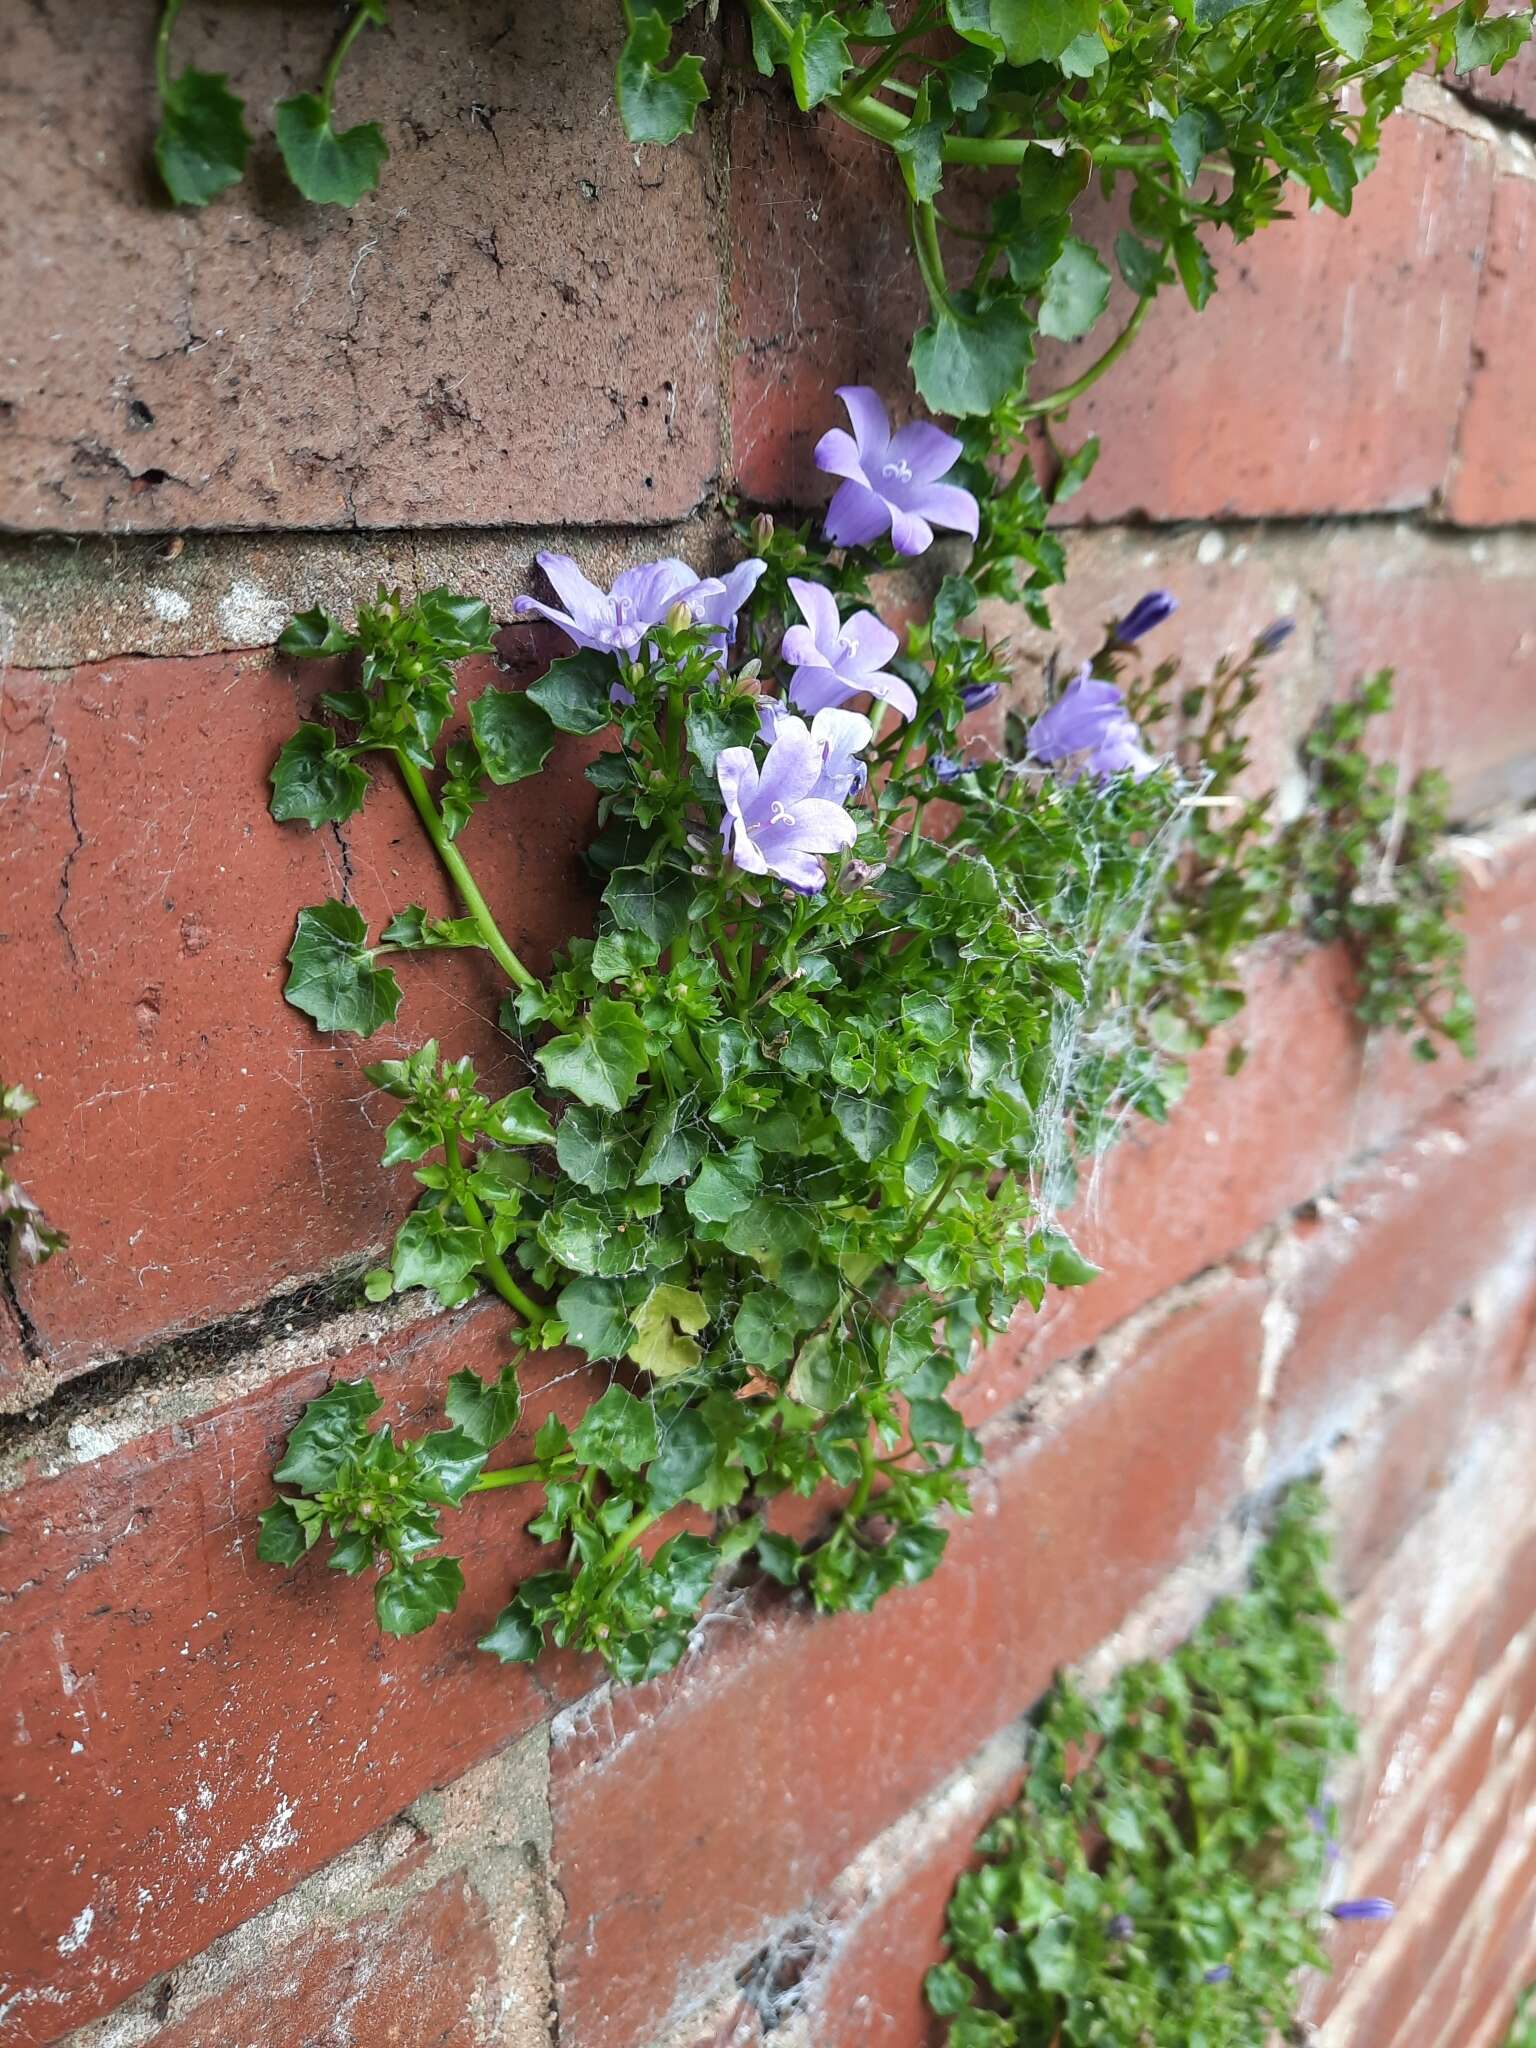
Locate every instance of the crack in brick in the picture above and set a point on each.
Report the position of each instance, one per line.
(69, 860)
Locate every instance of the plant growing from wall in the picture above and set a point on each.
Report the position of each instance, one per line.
(792, 1130)
(1161, 1879)
(30, 1238)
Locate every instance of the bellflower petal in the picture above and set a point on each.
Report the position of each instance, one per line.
(835, 660)
(1274, 636)
(842, 736)
(615, 621)
(776, 821)
(1363, 1909)
(891, 480)
(1090, 719)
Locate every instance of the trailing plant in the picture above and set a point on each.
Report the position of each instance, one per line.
(1161, 1879)
(792, 1131)
(30, 1238)
(202, 142)
(1523, 2033)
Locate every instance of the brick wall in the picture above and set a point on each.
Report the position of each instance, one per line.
(235, 1815)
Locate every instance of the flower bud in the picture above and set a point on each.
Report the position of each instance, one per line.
(762, 530)
(679, 618)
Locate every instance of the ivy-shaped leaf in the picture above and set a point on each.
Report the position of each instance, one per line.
(600, 1062)
(330, 169)
(968, 360)
(657, 101)
(513, 733)
(1076, 293)
(332, 977)
(666, 1323)
(482, 1412)
(576, 693)
(315, 782)
(617, 1433)
(309, 635)
(1036, 30)
(202, 142)
(411, 1596)
(414, 932)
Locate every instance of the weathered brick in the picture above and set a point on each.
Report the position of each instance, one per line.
(192, 1730)
(197, 1138)
(1494, 480)
(519, 325)
(1347, 399)
(1435, 611)
(1377, 1267)
(827, 1730)
(424, 1976)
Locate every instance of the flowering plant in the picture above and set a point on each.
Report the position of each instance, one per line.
(1162, 1877)
(790, 1132)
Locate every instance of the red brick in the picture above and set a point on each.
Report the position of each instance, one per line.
(518, 326)
(827, 1730)
(1336, 395)
(422, 1976)
(1494, 480)
(199, 1141)
(1502, 1969)
(1379, 1267)
(1431, 611)
(823, 287)
(193, 1730)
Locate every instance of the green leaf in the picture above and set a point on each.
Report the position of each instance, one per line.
(518, 1119)
(1033, 30)
(818, 59)
(447, 1462)
(1143, 268)
(331, 1430)
(484, 1412)
(576, 693)
(666, 1323)
(657, 101)
(286, 1534)
(592, 1150)
(308, 635)
(429, 1251)
(765, 1328)
(827, 1373)
(411, 1596)
(869, 1126)
(968, 361)
(724, 1187)
(414, 932)
(514, 1636)
(331, 169)
(656, 905)
(1481, 43)
(513, 733)
(314, 782)
(1209, 12)
(332, 977)
(617, 1433)
(671, 1151)
(616, 955)
(683, 1461)
(601, 1061)
(1196, 272)
(1083, 56)
(592, 1311)
(1347, 24)
(202, 142)
(1076, 293)
(455, 624)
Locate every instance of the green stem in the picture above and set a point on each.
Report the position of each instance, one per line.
(344, 43)
(918, 1103)
(1055, 401)
(163, 46)
(492, 1265)
(509, 1475)
(463, 880)
(930, 257)
(632, 1531)
(860, 1499)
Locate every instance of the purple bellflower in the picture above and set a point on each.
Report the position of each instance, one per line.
(1219, 1975)
(1363, 1909)
(778, 820)
(1153, 610)
(891, 480)
(616, 621)
(835, 661)
(1089, 718)
(977, 696)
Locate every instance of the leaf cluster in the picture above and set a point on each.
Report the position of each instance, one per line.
(1161, 1878)
(30, 1239)
(1213, 113)
(780, 1161)
(202, 142)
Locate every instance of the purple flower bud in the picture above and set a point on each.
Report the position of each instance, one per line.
(976, 696)
(1122, 1927)
(947, 769)
(1153, 610)
(1274, 636)
(1219, 1975)
(1363, 1909)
